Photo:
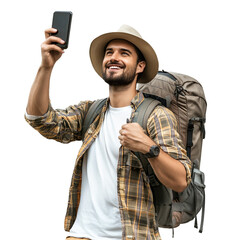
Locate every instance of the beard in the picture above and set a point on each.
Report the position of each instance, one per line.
(123, 79)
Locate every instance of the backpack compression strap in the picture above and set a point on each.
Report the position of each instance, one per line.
(92, 113)
(190, 132)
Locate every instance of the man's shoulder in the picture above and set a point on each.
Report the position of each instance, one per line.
(162, 112)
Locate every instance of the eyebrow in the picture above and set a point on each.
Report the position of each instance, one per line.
(122, 49)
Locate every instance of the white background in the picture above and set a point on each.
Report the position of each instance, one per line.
(198, 38)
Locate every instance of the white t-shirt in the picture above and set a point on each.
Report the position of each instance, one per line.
(98, 214)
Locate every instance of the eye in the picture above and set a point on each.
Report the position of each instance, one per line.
(108, 53)
(125, 53)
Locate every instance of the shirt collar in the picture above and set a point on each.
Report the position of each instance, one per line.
(137, 100)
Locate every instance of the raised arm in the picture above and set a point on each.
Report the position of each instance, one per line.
(38, 100)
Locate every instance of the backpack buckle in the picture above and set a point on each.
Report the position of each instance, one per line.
(198, 178)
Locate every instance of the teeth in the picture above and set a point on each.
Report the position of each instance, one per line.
(114, 67)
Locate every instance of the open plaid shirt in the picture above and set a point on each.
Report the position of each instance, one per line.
(134, 192)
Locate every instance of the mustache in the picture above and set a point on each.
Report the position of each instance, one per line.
(114, 63)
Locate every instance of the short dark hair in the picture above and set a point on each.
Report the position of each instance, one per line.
(139, 59)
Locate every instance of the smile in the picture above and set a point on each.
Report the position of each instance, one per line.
(114, 67)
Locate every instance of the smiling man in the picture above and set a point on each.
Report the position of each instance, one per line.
(110, 196)
(117, 73)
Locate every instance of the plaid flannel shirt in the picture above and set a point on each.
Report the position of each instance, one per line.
(134, 192)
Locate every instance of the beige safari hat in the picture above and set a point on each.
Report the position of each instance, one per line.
(130, 34)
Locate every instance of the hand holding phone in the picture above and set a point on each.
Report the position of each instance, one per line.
(62, 22)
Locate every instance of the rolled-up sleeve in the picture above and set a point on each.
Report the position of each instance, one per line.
(61, 125)
(162, 128)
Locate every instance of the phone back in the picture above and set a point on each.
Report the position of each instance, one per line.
(62, 22)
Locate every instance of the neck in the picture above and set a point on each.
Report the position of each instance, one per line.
(121, 96)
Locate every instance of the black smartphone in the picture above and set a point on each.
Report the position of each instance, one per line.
(62, 22)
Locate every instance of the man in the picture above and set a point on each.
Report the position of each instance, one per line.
(110, 196)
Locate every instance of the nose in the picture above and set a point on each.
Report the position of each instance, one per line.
(114, 57)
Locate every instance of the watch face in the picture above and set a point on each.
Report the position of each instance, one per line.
(155, 151)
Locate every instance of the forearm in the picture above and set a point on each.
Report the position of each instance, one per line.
(169, 171)
(38, 100)
(172, 167)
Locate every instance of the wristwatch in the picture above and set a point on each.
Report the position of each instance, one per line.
(153, 152)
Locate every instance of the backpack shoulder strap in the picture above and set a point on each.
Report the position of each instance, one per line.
(92, 113)
(144, 111)
(141, 117)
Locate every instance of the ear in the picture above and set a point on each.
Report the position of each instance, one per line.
(141, 66)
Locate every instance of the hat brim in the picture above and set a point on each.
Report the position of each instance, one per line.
(97, 53)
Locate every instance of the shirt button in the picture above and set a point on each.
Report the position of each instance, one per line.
(130, 237)
(90, 131)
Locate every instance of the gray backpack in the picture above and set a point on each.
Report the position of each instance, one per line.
(184, 96)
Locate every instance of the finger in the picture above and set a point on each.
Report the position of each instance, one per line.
(53, 39)
(122, 142)
(51, 47)
(123, 132)
(50, 31)
(124, 126)
(120, 137)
